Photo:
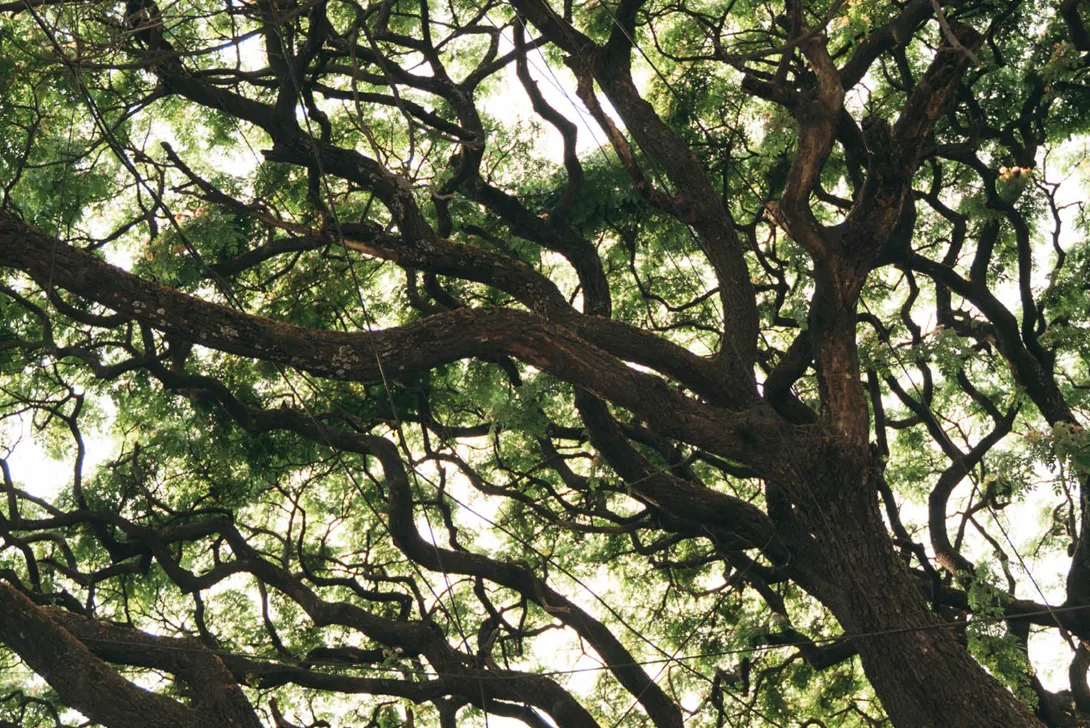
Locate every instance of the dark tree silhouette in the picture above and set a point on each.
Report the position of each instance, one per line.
(760, 389)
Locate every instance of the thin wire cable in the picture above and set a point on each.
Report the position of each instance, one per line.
(416, 474)
(454, 613)
(657, 172)
(816, 502)
(223, 285)
(401, 434)
(119, 151)
(116, 147)
(681, 646)
(740, 651)
(590, 126)
(976, 491)
(659, 471)
(670, 87)
(790, 451)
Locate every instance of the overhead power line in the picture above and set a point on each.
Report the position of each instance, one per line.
(499, 675)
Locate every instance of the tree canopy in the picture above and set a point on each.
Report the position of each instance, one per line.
(620, 363)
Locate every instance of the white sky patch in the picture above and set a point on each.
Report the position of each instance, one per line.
(511, 105)
(474, 511)
(42, 475)
(250, 53)
(36, 472)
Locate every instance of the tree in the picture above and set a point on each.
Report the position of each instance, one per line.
(747, 393)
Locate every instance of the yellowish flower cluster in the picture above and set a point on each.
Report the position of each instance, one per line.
(1008, 173)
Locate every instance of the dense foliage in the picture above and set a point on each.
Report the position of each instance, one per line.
(458, 362)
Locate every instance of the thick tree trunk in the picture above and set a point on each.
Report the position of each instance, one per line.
(923, 676)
